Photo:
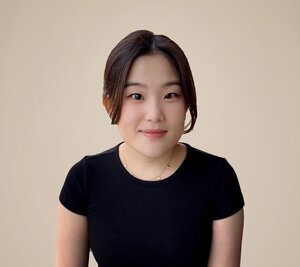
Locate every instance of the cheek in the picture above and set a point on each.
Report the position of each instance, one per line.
(128, 115)
(178, 115)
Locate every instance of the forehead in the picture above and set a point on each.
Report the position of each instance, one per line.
(152, 66)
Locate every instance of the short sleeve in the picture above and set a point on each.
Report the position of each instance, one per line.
(227, 194)
(73, 195)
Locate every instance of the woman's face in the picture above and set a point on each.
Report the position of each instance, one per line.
(153, 111)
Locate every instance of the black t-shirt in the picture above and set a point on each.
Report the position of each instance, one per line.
(132, 222)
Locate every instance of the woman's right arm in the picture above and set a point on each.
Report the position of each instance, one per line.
(72, 248)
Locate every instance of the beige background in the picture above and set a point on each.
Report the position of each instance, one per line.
(246, 63)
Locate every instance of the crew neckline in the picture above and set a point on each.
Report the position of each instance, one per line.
(166, 180)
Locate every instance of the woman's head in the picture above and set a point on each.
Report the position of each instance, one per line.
(122, 57)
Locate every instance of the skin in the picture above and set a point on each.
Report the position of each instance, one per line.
(72, 249)
(151, 124)
(152, 116)
(227, 241)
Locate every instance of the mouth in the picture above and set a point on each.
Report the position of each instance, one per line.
(153, 133)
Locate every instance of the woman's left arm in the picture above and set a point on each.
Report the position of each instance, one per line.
(227, 241)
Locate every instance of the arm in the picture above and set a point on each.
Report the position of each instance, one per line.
(72, 239)
(227, 241)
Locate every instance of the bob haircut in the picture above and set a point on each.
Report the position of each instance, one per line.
(141, 43)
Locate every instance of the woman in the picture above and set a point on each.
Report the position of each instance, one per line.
(150, 200)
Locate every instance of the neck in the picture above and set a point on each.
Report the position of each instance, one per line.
(147, 168)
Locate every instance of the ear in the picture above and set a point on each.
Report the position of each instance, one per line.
(107, 104)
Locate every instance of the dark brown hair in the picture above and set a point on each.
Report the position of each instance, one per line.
(122, 57)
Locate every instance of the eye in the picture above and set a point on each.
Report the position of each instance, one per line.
(136, 96)
(171, 96)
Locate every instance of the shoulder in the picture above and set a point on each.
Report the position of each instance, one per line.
(201, 158)
(80, 178)
(102, 155)
(107, 156)
(92, 163)
(226, 194)
(216, 168)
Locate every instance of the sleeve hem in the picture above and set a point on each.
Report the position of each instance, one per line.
(68, 207)
(227, 214)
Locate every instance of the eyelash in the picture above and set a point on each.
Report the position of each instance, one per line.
(173, 95)
(137, 96)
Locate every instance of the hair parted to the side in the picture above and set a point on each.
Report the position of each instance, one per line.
(122, 57)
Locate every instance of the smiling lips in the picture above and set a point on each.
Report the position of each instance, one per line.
(154, 133)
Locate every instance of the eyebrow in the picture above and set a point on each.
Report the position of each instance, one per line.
(166, 84)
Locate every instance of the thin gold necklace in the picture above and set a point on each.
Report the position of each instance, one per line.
(158, 177)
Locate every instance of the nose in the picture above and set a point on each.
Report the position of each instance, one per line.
(154, 111)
